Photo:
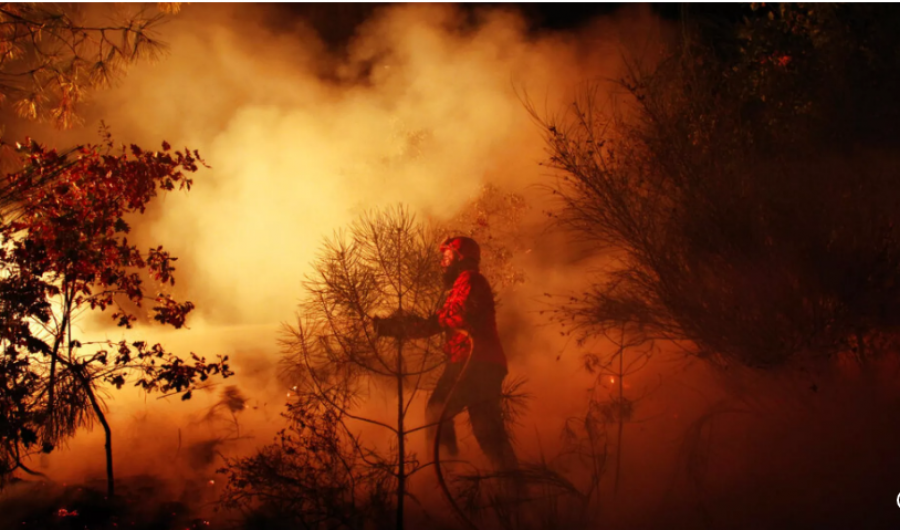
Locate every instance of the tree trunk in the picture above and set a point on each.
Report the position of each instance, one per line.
(110, 481)
(51, 392)
(401, 442)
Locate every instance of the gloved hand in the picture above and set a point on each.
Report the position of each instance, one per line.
(398, 325)
(387, 327)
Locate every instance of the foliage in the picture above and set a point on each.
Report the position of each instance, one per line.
(66, 252)
(386, 262)
(51, 55)
(331, 461)
(494, 220)
(748, 193)
(313, 477)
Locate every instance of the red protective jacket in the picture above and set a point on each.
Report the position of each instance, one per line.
(468, 315)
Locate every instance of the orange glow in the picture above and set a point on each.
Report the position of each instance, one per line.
(424, 109)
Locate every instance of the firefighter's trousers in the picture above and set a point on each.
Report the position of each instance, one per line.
(479, 391)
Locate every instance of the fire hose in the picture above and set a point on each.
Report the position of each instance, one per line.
(448, 496)
(457, 511)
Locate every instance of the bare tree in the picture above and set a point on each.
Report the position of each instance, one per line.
(385, 263)
(314, 476)
(335, 364)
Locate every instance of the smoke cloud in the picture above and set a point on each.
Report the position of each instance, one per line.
(423, 106)
(421, 109)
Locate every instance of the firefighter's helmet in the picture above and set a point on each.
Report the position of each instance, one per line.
(464, 247)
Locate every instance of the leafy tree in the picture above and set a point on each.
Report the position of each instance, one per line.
(51, 58)
(63, 224)
(747, 190)
(52, 55)
(64, 253)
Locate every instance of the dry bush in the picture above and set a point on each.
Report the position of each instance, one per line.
(746, 191)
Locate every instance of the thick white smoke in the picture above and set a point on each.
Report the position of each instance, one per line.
(423, 107)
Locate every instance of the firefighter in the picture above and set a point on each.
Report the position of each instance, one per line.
(467, 319)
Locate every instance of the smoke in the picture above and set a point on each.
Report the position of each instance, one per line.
(423, 106)
(422, 109)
